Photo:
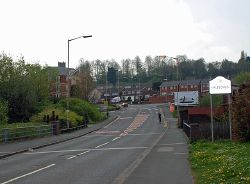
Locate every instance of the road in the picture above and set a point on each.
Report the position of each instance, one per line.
(105, 156)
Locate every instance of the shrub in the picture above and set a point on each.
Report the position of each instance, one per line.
(73, 118)
(217, 100)
(3, 112)
(240, 114)
(80, 107)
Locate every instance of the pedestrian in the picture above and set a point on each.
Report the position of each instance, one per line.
(159, 116)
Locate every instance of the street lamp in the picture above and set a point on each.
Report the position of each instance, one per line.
(68, 95)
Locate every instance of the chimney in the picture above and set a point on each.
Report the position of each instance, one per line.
(62, 64)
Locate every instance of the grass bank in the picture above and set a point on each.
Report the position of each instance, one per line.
(220, 162)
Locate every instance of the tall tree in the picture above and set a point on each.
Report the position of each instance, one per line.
(149, 65)
(228, 68)
(84, 80)
(213, 69)
(23, 87)
(199, 66)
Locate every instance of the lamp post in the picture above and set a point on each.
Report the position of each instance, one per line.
(68, 94)
(177, 78)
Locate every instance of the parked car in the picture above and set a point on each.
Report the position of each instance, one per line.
(124, 104)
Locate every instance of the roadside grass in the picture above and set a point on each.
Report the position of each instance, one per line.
(220, 162)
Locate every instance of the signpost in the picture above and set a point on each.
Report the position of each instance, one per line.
(220, 85)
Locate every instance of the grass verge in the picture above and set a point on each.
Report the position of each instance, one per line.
(220, 162)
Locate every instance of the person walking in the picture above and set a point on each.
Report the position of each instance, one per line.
(159, 117)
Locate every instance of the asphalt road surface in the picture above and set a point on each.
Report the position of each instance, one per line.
(103, 156)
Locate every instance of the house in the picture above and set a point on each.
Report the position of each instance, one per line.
(204, 86)
(59, 88)
(127, 91)
(168, 88)
(189, 85)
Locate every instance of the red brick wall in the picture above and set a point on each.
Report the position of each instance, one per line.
(158, 99)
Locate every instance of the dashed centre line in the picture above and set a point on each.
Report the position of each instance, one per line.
(102, 145)
(116, 138)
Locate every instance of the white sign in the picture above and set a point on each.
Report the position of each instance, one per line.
(187, 98)
(219, 85)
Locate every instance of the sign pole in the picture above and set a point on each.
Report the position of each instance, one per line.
(211, 115)
(220, 85)
(229, 115)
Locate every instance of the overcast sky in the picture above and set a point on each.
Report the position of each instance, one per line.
(39, 29)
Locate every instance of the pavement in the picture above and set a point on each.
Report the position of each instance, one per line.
(15, 147)
(165, 162)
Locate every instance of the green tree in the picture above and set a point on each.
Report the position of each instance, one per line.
(23, 86)
(199, 67)
(3, 112)
(243, 77)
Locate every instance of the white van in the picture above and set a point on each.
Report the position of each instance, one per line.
(116, 100)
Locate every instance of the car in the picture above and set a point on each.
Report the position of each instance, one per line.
(124, 104)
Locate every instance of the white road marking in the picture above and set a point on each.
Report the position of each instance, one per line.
(83, 153)
(78, 154)
(71, 157)
(172, 144)
(146, 134)
(33, 172)
(102, 145)
(99, 149)
(127, 118)
(181, 153)
(116, 138)
(112, 122)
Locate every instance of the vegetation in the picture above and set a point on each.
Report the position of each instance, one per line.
(220, 162)
(23, 87)
(243, 77)
(80, 107)
(240, 113)
(217, 100)
(158, 68)
(3, 112)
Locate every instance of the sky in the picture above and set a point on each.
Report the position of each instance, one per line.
(39, 30)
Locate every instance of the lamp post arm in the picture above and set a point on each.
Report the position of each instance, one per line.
(80, 37)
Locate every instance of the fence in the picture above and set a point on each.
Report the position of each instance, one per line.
(9, 134)
(55, 128)
(203, 130)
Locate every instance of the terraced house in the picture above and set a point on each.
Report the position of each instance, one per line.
(168, 88)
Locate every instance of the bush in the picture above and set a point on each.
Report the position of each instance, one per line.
(3, 112)
(217, 100)
(80, 107)
(73, 118)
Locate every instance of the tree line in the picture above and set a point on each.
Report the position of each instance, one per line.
(157, 69)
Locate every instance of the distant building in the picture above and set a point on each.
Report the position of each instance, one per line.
(127, 92)
(169, 87)
(59, 88)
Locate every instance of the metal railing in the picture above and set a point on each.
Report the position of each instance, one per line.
(187, 129)
(9, 134)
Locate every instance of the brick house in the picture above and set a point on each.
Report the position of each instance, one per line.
(189, 85)
(204, 86)
(59, 86)
(168, 88)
